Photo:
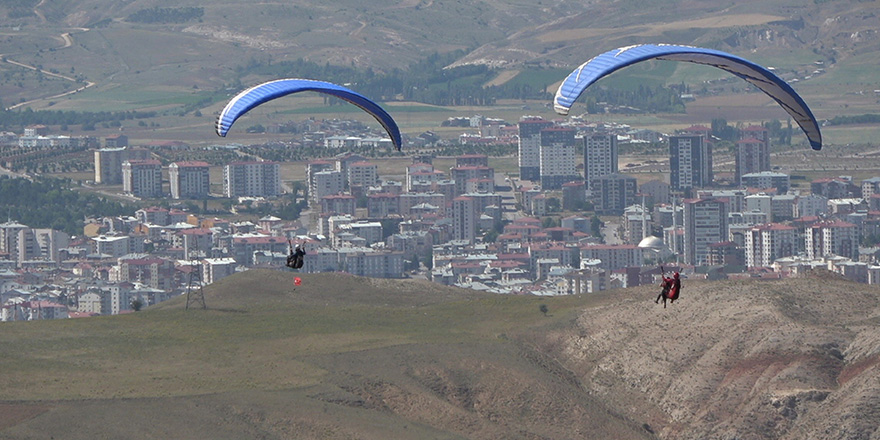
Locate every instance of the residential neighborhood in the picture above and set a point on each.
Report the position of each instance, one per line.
(569, 222)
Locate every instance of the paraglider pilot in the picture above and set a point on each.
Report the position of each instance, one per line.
(296, 258)
(670, 288)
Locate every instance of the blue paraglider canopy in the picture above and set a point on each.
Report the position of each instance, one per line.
(259, 94)
(762, 78)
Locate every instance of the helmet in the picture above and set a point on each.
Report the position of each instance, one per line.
(675, 275)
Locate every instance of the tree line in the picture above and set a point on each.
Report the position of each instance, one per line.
(166, 15)
(16, 120)
(431, 81)
(50, 203)
(870, 118)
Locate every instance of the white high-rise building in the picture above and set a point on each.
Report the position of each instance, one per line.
(114, 246)
(828, 238)
(142, 178)
(42, 244)
(189, 180)
(612, 193)
(759, 203)
(363, 174)
(314, 167)
(530, 146)
(766, 243)
(690, 162)
(558, 157)
(360, 261)
(215, 269)
(811, 205)
(464, 218)
(326, 183)
(600, 155)
(108, 162)
(752, 152)
(108, 165)
(10, 237)
(254, 179)
(705, 223)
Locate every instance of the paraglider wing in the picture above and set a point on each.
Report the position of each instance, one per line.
(297, 281)
(762, 78)
(259, 94)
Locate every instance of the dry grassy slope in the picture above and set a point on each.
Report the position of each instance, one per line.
(790, 359)
(435, 362)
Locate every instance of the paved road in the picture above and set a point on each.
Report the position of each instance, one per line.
(506, 187)
(13, 174)
(609, 233)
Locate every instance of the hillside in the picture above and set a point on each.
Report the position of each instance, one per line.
(347, 357)
(131, 58)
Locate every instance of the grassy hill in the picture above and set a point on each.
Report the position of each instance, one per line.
(347, 357)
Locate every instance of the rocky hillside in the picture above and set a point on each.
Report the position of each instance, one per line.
(793, 359)
(345, 357)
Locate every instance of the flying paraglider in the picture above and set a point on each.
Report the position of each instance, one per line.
(259, 94)
(297, 281)
(762, 78)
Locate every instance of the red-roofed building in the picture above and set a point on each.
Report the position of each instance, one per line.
(381, 205)
(116, 141)
(462, 174)
(421, 177)
(521, 229)
(698, 130)
(195, 241)
(834, 188)
(566, 255)
(154, 215)
(613, 257)
(507, 264)
(157, 273)
(39, 310)
(344, 204)
(477, 160)
(540, 236)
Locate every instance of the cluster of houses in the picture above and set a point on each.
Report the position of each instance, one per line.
(127, 262)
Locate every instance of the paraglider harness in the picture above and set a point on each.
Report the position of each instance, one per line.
(296, 258)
